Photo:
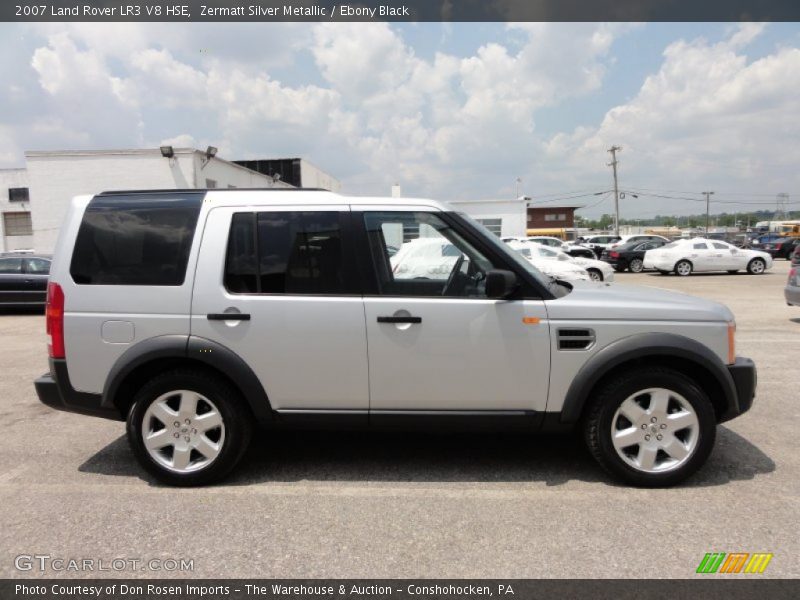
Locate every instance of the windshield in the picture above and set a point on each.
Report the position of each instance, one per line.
(503, 248)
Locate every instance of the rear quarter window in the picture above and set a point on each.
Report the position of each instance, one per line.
(135, 240)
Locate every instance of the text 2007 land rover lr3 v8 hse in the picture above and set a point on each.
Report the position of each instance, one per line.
(196, 316)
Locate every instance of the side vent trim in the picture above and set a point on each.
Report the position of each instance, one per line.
(572, 339)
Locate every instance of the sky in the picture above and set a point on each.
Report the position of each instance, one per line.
(449, 111)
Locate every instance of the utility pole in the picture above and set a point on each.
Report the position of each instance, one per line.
(613, 164)
(519, 181)
(708, 209)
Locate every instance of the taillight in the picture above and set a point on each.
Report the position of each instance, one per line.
(54, 318)
(613, 254)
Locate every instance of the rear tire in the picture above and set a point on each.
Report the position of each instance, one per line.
(636, 265)
(623, 421)
(187, 427)
(683, 268)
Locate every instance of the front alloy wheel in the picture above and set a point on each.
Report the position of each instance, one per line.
(655, 430)
(652, 427)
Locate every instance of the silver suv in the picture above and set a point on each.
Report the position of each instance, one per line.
(198, 316)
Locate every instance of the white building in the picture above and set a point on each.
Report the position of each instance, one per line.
(52, 178)
(15, 225)
(504, 218)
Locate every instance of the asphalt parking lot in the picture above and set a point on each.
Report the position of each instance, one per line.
(410, 505)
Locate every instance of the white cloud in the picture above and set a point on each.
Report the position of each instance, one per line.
(707, 117)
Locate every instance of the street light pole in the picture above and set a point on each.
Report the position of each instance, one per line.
(708, 209)
(613, 164)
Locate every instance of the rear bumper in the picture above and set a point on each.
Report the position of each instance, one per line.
(744, 375)
(55, 390)
(792, 295)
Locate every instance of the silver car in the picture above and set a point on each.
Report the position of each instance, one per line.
(202, 318)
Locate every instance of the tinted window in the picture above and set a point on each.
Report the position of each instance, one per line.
(135, 240)
(285, 253)
(720, 246)
(700, 246)
(10, 265)
(37, 265)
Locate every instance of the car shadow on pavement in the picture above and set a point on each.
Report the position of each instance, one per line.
(312, 456)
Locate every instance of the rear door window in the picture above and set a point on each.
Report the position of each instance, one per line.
(37, 266)
(137, 239)
(10, 266)
(286, 252)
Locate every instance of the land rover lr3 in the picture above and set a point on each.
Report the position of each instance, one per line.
(198, 316)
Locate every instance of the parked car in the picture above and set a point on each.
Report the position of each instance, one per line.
(23, 279)
(701, 255)
(766, 238)
(598, 243)
(571, 248)
(781, 248)
(792, 289)
(197, 315)
(631, 255)
(597, 270)
(638, 237)
(795, 258)
(426, 258)
(564, 270)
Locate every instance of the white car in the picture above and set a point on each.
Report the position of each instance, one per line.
(701, 255)
(596, 269)
(572, 248)
(425, 258)
(563, 269)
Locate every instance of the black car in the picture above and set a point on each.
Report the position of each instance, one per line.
(23, 279)
(630, 256)
(780, 247)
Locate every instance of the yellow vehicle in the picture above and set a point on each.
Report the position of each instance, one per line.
(557, 232)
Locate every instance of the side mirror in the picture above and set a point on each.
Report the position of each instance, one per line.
(500, 284)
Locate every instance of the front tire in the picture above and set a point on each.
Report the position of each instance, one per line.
(756, 266)
(595, 274)
(652, 428)
(188, 428)
(636, 265)
(683, 268)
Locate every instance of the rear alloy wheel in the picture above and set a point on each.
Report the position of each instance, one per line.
(595, 274)
(756, 266)
(188, 428)
(651, 428)
(636, 265)
(683, 268)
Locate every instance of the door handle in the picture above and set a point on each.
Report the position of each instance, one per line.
(228, 316)
(399, 319)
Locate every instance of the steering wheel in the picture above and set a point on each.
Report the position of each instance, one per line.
(451, 279)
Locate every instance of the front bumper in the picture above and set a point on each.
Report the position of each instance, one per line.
(744, 376)
(55, 390)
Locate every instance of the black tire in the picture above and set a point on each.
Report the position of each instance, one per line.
(235, 416)
(595, 274)
(599, 414)
(636, 265)
(757, 266)
(681, 266)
